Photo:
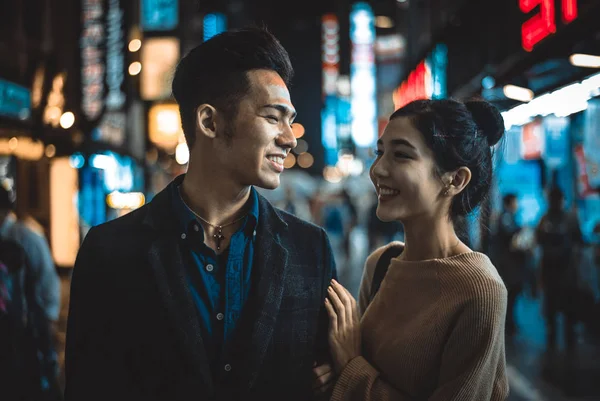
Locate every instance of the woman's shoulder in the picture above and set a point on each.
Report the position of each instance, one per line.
(473, 277)
(374, 257)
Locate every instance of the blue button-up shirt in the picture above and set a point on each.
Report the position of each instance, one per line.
(219, 284)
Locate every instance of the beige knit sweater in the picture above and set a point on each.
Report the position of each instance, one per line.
(434, 331)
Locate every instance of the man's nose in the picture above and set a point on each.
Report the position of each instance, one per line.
(287, 138)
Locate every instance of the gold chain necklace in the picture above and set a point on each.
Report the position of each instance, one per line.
(218, 236)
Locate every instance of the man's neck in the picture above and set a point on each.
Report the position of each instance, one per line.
(215, 200)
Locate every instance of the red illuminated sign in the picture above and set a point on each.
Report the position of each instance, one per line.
(543, 23)
(330, 53)
(532, 140)
(417, 86)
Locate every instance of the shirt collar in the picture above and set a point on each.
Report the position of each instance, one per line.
(185, 217)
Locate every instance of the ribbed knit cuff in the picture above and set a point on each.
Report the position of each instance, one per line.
(349, 377)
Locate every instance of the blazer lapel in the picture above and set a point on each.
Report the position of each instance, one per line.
(270, 265)
(166, 259)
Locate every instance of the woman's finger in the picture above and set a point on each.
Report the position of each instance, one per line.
(333, 319)
(354, 305)
(338, 305)
(346, 299)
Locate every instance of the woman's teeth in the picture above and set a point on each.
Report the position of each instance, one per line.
(388, 191)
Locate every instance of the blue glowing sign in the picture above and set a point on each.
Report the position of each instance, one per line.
(214, 24)
(362, 75)
(159, 15)
(438, 62)
(557, 141)
(15, 100)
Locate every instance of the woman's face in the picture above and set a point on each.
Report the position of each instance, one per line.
(404, 175)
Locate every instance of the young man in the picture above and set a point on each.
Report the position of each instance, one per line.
(208, 292)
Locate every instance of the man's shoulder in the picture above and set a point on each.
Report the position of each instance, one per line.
(298, 226)
(128, 223)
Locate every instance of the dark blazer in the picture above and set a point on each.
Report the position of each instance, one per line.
(133, 331)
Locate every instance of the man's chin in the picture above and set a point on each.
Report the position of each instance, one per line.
(270, 183)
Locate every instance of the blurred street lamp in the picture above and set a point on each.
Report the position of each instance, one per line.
(298, 130)
(67, 120)
(50, 151)
(383, 21)
(182, 153)
(518, 93)
(135, 68)
(585, 60)
(135, 45)
(290, 161)
(305, 160)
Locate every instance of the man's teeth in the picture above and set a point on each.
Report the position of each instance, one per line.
(388, 191)
(276, 159)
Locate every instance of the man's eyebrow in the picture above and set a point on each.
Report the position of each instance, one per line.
(283, 109)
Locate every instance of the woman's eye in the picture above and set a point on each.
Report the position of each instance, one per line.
(401, 155)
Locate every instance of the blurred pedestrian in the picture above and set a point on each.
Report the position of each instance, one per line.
(36, 288)
(208, 292)
(351, 221)
(558, 234)
(509, 258)
(432, 327)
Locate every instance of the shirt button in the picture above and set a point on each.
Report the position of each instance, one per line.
(209, 268)
(228, 368)
(196, 228)
(183, 236)
(220, 316)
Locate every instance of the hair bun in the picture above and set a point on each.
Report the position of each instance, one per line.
(488, 119)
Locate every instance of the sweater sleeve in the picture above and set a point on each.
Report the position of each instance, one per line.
(472, 366)
(360, 381)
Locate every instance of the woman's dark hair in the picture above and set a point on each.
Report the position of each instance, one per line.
(459, 134)
(215, 72)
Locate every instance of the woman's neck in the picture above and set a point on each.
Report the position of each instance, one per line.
(432, 239)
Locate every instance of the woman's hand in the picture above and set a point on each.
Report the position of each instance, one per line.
(344, 326)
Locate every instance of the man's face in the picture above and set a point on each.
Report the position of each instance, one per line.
(260, 134)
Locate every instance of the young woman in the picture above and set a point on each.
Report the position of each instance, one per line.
(434, 330)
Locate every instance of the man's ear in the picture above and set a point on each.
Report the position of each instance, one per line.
(206, 121)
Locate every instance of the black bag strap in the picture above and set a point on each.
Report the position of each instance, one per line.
(382, 267)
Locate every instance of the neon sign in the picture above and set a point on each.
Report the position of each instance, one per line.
(330, 53)
(543, 24)
(92, 58)
(426, 81)
(362, 75)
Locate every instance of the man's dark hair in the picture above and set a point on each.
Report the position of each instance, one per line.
(215, 72)
(459, 134)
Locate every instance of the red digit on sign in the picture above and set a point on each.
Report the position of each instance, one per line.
(540, 25)
(569, 10)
